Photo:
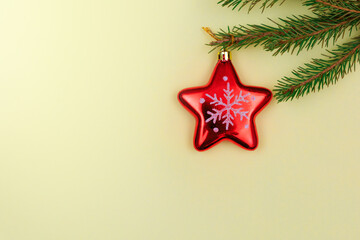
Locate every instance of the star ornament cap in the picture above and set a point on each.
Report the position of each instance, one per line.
(225, 108)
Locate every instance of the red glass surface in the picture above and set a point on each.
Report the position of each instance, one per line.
(225, 108)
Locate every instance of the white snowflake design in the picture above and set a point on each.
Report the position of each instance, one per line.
(229, 110)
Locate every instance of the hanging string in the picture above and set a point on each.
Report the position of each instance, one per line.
(232, 40)
(208, 31)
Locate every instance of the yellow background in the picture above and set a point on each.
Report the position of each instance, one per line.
(94, 144)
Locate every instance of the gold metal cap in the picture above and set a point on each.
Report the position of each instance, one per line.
(224, 56)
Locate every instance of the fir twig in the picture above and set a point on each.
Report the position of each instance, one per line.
(330, 21)
(322, 6)
(297, 32)
(320, 72)
(239, 4)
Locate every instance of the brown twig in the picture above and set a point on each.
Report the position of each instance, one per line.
(238, 39)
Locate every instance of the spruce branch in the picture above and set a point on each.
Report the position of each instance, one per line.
(290, 34)
(239, 4)
(340, 6)
(320, 72)
(330, 21)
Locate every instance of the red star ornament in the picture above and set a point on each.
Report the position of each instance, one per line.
(225, 108)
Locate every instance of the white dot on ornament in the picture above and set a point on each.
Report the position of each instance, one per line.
(253, 98)
(202, 100)
(216, 130)
(246, 126)
(225, 78)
